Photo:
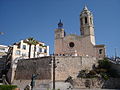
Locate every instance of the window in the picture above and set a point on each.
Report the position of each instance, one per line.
(45, 51)
(40, 49)
(71, 44)
(24, 47)
(100, 51)
(17, 52)
(85, 20)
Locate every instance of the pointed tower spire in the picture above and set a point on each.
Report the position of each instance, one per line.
(85, 7)
(60, 24)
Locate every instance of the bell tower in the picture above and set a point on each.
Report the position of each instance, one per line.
(87, 26)
(59, 35)
(59, 32)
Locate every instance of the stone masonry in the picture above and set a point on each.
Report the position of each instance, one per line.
(71, 65)
(65, 66)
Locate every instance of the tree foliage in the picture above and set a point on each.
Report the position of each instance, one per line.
(7, 87)
(103, 70)
(104, 64)
(31, 41)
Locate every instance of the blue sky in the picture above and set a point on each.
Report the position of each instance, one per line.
(20, 19)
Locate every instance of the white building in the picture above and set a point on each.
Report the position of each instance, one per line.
(3, 50)
(23, 49)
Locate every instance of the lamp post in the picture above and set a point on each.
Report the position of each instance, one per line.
(53, 62)
(54, 66)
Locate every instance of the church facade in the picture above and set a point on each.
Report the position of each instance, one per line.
(79, 45)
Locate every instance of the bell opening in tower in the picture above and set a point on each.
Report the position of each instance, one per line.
(85, 20)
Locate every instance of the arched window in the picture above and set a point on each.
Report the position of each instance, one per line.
(100, 51)
(85, 20)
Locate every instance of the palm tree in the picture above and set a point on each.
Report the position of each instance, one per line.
(29, 41)
(35, 42)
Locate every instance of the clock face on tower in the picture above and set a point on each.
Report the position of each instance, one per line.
(71, 44)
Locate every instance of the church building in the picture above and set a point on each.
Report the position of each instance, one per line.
(79, 45)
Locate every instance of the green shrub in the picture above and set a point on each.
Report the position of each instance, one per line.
(7, 87)
(104, 64)
(82, 74)
(101, 70)
(104, 76)
(105, 67)
(92, 72)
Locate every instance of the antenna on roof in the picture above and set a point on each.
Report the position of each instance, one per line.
(115, 53)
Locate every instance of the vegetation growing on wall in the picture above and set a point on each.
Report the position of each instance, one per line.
(103, 70)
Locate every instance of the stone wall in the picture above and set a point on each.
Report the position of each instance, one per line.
(96, 83)
(27, 67)
(116, 67)
(84, 83)
(65, 66)
(39, 84)
(71, 65)
(2, 64)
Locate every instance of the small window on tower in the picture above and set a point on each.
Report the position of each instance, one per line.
(81, 21)
(100, 51)
(85, 20)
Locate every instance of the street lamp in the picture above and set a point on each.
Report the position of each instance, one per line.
(53, 67)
